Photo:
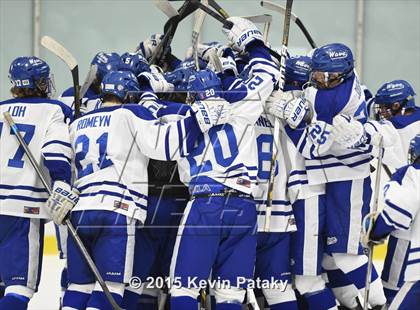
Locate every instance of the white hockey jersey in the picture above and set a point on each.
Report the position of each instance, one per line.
(43, 124)
(282, 218)
(327, 161)
(228, 153)
(112, 147)
(402, 213)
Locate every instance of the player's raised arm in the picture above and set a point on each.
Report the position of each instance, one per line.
(262, 71)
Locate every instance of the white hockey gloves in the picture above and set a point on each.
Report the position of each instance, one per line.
(348, 132)
(227, 64)
(156, 82)
(148, 46)
(210, 113)
(285, 106)
(242, 33)
(61, 201)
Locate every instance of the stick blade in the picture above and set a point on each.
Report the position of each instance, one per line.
(59, 50)
(260, 19)
(276, 7)
(89, 80)
(166, 8)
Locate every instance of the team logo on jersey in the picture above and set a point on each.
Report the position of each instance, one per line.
(120, 205)
(337, 55)
(201, 188)
(31, 210)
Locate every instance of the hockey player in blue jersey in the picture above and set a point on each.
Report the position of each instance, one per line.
(216, 238)
(331, 160)
(105, 62)
(112, 180)
(401, 213)
(395, 102)
(43, 124)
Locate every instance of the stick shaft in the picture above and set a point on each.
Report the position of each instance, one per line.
(276, 140)
(67, 222)
(374, 208)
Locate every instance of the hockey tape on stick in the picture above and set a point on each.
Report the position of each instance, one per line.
(373, 209)
(276, 132)
(166, 8)
(71, 62)
(215, 60)
(67, 222)
(93, 70)
(278, 8)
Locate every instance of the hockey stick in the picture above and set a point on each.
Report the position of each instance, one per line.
(278, 8)
(67, 222)
(276, 133)
(198, 24)
(91, 75)
(373, 209)
(60, 51)
(166, 8)
(169, 31)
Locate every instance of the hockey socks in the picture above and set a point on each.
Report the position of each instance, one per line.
(14, 301)
(75, 300)
(320, 300)
(99, 301)
(183, 303)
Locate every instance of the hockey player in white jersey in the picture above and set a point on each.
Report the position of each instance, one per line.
(395, 102)
(43, 124)
(402, 213)
(217, 237)
(113, 199)
(308, 201)
(331, 160)
(105, 62)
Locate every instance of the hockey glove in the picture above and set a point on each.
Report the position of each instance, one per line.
(367, 226)
(348, 132)
(228, 64)
(61, 201)
(297, 111)
(276, 103)
(242, 33)
(155, 81)
(148, 46)
(209, 113)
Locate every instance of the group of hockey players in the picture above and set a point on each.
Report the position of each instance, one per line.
(166, 174)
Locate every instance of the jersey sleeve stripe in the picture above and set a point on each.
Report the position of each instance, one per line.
(20, 197)
(57, 142)
(23, 187)
(398, 209)
(55, 155)
(392, 222)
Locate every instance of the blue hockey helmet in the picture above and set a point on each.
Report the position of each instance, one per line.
(391, 93)
(204, 84)
(122, 84)
(180, 76)
(414, 150)
(331, 65)
(297, 70)
(106, 62)
(30, 72)
(134, 62)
